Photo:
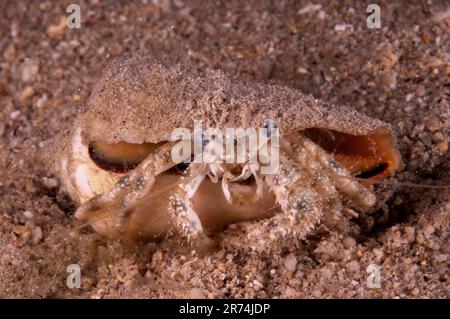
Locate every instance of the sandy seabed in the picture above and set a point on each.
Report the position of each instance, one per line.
(399, 74)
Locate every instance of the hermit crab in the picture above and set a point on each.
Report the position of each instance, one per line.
(118, 161)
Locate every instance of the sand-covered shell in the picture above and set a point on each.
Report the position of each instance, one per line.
(138, 102)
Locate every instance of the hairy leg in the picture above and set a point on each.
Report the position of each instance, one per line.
(300, 203)
(180, 206)
(322, 183)
(310, 154)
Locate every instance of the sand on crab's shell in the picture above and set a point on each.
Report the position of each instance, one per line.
(144, 100)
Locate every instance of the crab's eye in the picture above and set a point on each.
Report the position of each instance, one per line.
(270, 125)
(119, 157)
(365, 156)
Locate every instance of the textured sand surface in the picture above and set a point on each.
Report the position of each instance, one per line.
(399, 74)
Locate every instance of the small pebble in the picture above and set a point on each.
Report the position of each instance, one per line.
(432, 124)
(441, 258)
(28, 214)
(76, 97)
(409, 97)
(290, 262)
(157, 257)
(301, 70)
(49, 182)
(309, 8)
(101, 50)
(30, 69)
(442, 146)
(37, 234)
(353, 267)
(27, 93)
(389, 78)
(57, 30)
(115, 49)
(410, 234)
(349, 242)
(15, 114)
(42, 101)
(428, 231)
(9, 53)
(438, 137)
(378, 254)
(343, 27)
(258, 284)
(321, 15)
(290, 292)
(326, 274)
(196, 293)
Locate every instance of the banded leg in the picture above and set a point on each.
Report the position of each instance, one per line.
(322, 183)
(360, 196)
(180, 205)
(300, 203)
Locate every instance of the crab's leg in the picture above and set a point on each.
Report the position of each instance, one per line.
(300, 203)
(180, 205)
(131, 187)
(309, 154)
(322, 182)
(294, 192)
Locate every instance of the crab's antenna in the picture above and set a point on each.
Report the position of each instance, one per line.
(406, 184)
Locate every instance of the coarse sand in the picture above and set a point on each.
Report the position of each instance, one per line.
(399, 73)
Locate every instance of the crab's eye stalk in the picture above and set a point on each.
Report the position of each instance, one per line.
(365, 156)
(270, 125)
(119, 157)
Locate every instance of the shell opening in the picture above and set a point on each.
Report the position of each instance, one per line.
(119, 157)
(365, 156)
(122, 157)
